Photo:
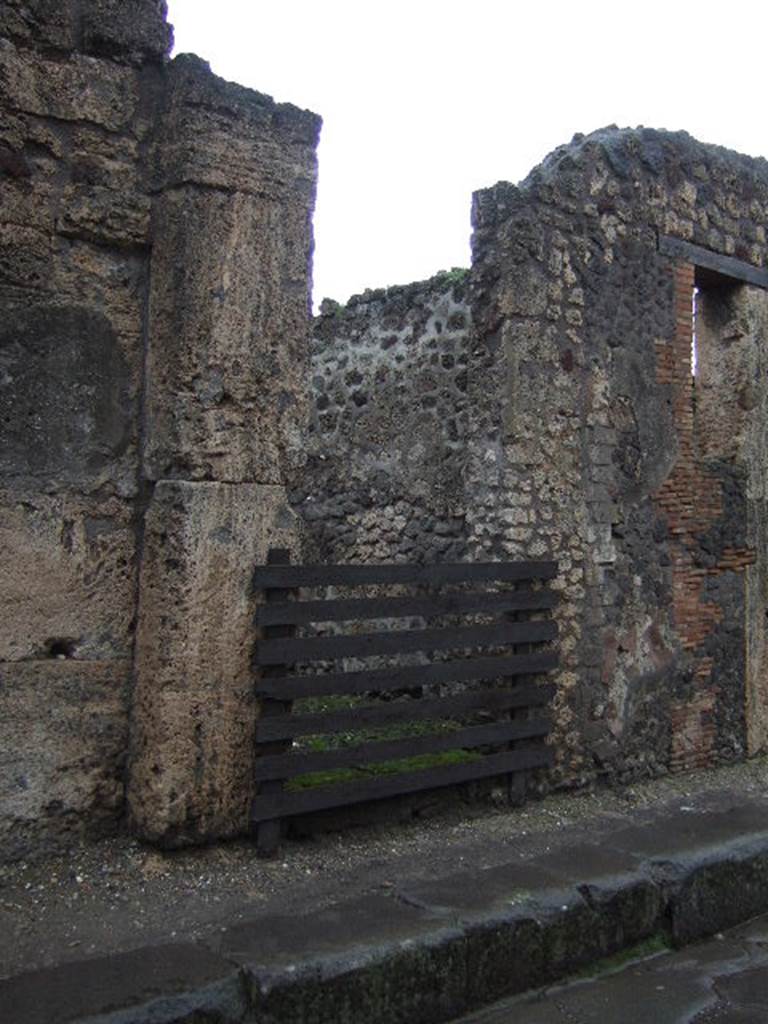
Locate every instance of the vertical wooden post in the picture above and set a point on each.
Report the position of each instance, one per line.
(517, 782)
(268, 832)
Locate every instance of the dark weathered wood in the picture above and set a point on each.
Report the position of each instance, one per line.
(362, 575)
(361, 608)
(726, 266)
(374, 716)
(282, 804)
(287, 766)
(272, 708)
(511, 640)
(401, 641)
(517, 782)
(382, 680)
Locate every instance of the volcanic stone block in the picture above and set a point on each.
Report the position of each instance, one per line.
(49, 24)
(228, 317)
(134, 33)
(104, 216)
(68, 580)
(130, 33)
(63, 737)
(225, 387)
(194, 711)
(69, 91)
(64, 394)
(221, 135)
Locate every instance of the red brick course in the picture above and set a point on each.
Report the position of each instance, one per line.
(691, 500)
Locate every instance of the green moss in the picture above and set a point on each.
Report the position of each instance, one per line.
(403, 764)
(334, 741)
(652, 946)
(449, 278)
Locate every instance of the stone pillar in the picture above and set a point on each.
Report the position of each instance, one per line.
(226, 378)
(194, 710)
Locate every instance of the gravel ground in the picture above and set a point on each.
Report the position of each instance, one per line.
(116, 894)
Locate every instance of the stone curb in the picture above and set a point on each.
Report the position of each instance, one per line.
(428, 952)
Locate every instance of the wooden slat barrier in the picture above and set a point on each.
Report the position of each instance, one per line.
(486, 664)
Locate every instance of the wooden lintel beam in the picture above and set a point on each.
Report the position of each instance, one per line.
(725, 266)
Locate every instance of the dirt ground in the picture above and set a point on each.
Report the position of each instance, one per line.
(117, 895)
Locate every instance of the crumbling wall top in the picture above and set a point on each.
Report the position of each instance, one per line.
(131, 33)
(671, 176)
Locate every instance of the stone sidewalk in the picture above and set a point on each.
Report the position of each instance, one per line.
(449, 932)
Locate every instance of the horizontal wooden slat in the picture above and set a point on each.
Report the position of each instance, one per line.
(374, 716)
(360, 608)
(287, 651)
(382, 680)
(287, 766)
(293, 576)
(264, 808)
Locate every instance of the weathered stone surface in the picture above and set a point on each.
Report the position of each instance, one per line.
(64, 395)
(228, 338)
(227, 356)
(586, 443)
(194, 712)
(48, 24)
(94, 126)
(718, 895)
(63, 742)
(168, 984)
(69, 576)
(104, 216)
(386, 443)
(81, 89)
(133, 33)
(221, 135)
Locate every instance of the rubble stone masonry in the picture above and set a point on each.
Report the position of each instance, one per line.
(601, 441)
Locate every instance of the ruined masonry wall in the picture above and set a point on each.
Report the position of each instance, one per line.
(155, 237)
(387, 435)
(548, 408)
(580, 379)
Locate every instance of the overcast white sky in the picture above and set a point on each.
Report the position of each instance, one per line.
(424, 101)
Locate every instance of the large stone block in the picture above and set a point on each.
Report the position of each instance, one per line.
(63, 737)
(64, 394)
(194, 710)
(222, 135)
(81, 89)
(48, 24)
(104, 216)
(132, 32)
(226, 382)
(68, 581)
(135, 33)
(110, 281)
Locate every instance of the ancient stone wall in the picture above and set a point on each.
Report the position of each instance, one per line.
(77, 94)
(387, 435)
(570, 419)
(605, 454)
(155, 247)
(155, 238)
